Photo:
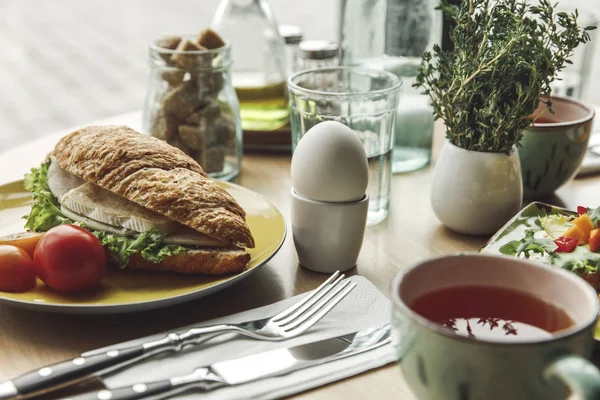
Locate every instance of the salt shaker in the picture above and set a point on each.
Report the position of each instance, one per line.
(318, 54)
(329, 202)
(292, 35)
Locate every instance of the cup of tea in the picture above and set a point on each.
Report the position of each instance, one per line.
(474, 326)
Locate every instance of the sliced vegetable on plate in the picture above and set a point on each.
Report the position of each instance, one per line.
(554, 236)
(16, 270)
(23, 240)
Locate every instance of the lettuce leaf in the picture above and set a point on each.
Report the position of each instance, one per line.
(580, 260)
(528, 244)
(149, 244)
(594, 214)
(555, 224)
(45, 214)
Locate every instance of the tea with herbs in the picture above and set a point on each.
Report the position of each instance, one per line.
(491, 313)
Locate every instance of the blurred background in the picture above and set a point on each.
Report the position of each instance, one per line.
(67, 62)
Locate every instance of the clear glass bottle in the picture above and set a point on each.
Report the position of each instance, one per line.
(191, 104)
(318, 54)
(393, 36)
(258, 53)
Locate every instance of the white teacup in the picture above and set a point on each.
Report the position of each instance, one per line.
(439, 364)
(328, 236)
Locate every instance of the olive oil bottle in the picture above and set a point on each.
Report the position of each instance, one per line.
(258, 70)
(263, 106)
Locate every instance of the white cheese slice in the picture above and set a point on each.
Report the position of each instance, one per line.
(183, 236)
(93, 202)
(99, 226)
(60, 181)
(188, 236)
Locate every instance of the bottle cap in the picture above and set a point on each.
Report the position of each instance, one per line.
(292, 34)
(318, 49)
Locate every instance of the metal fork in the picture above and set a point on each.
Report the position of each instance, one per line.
(289, 323)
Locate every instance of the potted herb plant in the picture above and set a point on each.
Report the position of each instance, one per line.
(506, 53)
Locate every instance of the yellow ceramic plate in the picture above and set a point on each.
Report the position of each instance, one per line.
(125, 291)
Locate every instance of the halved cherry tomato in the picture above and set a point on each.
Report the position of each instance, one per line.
(581, 210)
(24, 240)
(16, 270)
(69, 259)
(566, 244)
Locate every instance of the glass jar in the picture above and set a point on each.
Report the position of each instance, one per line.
(191, 104)
(318, 54)
(258, 53)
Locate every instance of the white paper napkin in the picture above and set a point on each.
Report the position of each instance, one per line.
(363, 308)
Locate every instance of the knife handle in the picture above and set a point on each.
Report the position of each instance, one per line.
(72, 370)
(204, 379)
(66, 372)
(135, 392)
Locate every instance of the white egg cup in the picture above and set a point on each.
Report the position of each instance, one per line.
(328, 236)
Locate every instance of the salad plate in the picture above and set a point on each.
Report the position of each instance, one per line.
(534, 232)
(122, 290)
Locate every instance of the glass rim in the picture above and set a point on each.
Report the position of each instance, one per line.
(395, 86)
(161, 50)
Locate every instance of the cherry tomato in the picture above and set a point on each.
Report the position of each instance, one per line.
(16, 270)
(69, 259)
(566, 244)
(581, 210)
(24, 240)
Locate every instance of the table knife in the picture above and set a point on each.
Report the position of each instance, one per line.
(269, 364)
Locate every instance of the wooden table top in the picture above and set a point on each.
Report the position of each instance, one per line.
(411, 233)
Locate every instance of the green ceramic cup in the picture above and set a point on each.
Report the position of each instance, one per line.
(439, 364)
(553, 148)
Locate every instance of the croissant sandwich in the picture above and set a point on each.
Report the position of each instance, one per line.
(151, 205)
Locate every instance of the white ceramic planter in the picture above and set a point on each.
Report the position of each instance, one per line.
(474, 192)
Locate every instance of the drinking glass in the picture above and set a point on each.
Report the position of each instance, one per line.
(414, 126)
(365, 100)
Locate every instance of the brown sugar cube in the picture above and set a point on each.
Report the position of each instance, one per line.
(209, 110)
(173, 78)
(211, 159)
(210, 39)
(226, 129)
(172, 124)
(193, 137)
(175, 142)
(183, 100)
(164, 125)
(210, 83)
(204, 132)
(159, 125)
(169, 43)
(190, 61)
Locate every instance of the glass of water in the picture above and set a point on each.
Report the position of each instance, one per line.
(365, 100)
(414, 126)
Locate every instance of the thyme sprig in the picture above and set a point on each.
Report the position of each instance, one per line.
(506, 54)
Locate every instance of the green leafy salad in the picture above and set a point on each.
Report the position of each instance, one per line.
(45, 214)
(568, 241)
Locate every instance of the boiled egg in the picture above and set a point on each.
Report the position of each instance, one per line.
(330, 164)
